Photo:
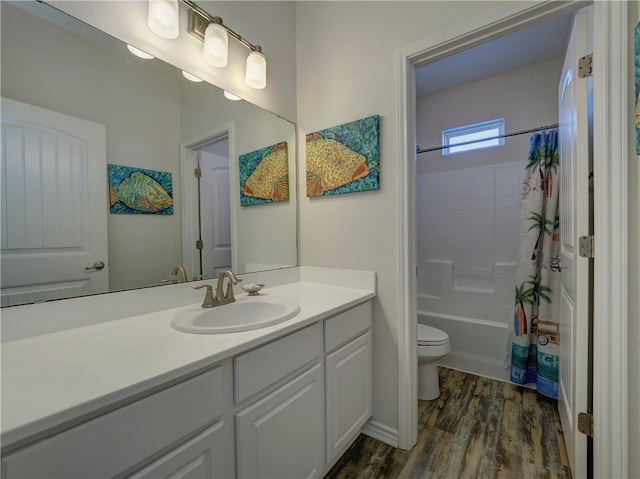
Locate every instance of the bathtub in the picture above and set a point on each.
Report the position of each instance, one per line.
(477, 346)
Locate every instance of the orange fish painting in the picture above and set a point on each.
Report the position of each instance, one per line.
(343, 159)
(264, 175)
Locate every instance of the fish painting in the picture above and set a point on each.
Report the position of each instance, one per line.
(330, 164)
(270, 179)
(344, 158)
(139, 192)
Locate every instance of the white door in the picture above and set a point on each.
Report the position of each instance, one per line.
(215, 210)
(574, 222)
(54, 205)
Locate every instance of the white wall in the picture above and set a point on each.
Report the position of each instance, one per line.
(47, 66)
(468, 210)
(634, 262)
(526, 98)
(347, 70)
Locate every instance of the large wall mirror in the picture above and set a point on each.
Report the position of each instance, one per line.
(89, 129)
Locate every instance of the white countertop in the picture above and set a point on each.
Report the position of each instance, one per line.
(51, 379)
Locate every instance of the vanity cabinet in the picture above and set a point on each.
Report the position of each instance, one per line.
(199, 458)
(285, 409)
(124, 440)
(281, 435)
(280, 420)
(348, 376)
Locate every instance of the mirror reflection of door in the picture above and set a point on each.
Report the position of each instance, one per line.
(215, 208)
(53, 196)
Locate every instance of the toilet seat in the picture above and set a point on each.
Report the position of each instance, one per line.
(430, 336)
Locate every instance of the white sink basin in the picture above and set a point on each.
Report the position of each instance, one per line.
(246, 313)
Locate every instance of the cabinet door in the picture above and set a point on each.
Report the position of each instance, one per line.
(281, 435)
(117, 441)
(202, 457)
(348, 393)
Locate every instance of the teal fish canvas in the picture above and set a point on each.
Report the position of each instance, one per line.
(140, 191)
(264, 175)
(344, 158)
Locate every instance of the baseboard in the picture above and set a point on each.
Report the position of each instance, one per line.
(381, 433)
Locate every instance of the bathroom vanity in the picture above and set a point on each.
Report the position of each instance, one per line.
(134, 397)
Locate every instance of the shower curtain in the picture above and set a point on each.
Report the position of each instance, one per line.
(534, 345)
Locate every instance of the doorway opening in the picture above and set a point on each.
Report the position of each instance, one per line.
(610, 215)
(475, 251)
(207, 225)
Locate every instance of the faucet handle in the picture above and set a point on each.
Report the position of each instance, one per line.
(209, 300)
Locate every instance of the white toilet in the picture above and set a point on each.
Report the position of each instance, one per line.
(433, 344)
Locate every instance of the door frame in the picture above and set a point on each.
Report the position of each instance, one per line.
(611, 250)
(188, 162)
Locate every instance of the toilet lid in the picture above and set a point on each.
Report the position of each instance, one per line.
(430, 336)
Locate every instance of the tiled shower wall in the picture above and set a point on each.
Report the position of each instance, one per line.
(467, 223)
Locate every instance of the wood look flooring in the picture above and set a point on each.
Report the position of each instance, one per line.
(477, 428)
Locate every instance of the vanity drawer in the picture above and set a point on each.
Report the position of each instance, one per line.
(345, 326)
(114, 442)
(266, 365)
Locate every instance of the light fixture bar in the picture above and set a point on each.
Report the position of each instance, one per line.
(199, 19)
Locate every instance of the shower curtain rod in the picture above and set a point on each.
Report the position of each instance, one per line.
(515, 133)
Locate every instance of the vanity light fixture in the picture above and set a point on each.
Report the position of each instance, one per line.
(256, 72)
(231, 96)
(216, 44)
(163, 18)
(214, 34)
(191, 77)
(139, 53)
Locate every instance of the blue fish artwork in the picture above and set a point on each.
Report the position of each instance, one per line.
(344, 158)
(140, 191)
(264, 175)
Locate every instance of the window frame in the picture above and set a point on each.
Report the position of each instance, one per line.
(450, 133)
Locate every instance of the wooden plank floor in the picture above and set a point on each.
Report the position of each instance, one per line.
(477, 428)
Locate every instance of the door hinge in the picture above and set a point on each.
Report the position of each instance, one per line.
(585, 66)
(197, 173)
(585, 246)
(585, 423)
(199, 244)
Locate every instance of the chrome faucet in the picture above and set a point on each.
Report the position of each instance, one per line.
(221, 296)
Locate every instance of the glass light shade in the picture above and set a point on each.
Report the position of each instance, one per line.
(191, 77)
(256, 73)
(163, 18)
(231, 96)
(139, 53)
(216, 46)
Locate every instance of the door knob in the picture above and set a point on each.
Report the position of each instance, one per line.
(98, 265)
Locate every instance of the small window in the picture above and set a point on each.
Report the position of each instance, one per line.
(469, 137)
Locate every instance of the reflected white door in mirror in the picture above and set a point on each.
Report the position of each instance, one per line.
(207, 210)
(54, 223)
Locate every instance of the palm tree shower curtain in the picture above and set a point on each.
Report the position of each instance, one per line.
(535, 341)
